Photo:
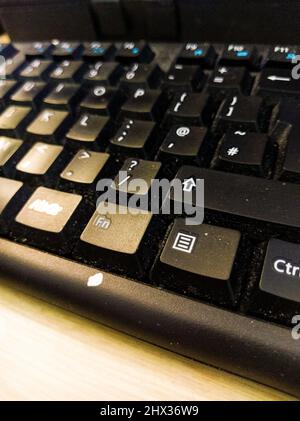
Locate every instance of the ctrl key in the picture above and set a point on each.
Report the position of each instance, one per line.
(49, 219)
(201, 261)
(278, 293)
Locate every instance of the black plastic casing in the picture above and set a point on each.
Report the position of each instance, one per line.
(252, 21)
(252, 348)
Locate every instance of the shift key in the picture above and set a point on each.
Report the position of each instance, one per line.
(261, 206)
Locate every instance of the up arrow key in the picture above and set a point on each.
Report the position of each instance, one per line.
(189, 184)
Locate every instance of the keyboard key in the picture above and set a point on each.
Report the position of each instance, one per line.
(37, 69)
(7, 191)
(34, 49)
(193, 53)
(6, 87)
(65, 49)
(85, 167)
(10, 153)
(141, 76)
(144, 105)
(89, 129)
(67, 71)
(182, 77)
(13, 65)
(118, 239)
(229, 80)
(102, 100)
(290, 165)
(134, 52)
(136, 169)
(48, 219)
(64, 96)
(103, 73)
(288, 113)
(240, 55)
(185, 144)
(41, 160)
(200, 261)
(244, 152)
(134, 138)
(95, 50)
(9, 201)
(14, 119)
(277, 82)
(280, 274)
(276, 294)
(238, 199)
(282, 56)
(30, 93)
(189, 108)
(241, 113)
(49, 125)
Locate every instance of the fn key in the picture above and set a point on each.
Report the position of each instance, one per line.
(118, 239)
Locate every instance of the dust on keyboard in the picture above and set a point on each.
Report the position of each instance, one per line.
(75, 113)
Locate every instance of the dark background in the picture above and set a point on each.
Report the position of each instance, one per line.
(260, 21)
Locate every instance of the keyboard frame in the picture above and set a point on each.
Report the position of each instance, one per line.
(252, 348)
(244, 345)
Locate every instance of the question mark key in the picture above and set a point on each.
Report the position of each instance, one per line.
(139, 171)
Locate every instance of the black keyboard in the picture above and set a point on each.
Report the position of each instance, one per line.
(226, 292)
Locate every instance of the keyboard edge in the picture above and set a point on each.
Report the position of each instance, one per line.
(255, 349)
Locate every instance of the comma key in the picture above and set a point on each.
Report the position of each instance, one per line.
(41, 163)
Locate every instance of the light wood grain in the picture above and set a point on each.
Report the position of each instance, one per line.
(50, 354)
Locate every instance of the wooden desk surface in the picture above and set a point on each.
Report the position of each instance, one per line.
(50, 354)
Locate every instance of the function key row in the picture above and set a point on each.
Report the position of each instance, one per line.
(207, 55)
(247, 55)
(127, 52)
